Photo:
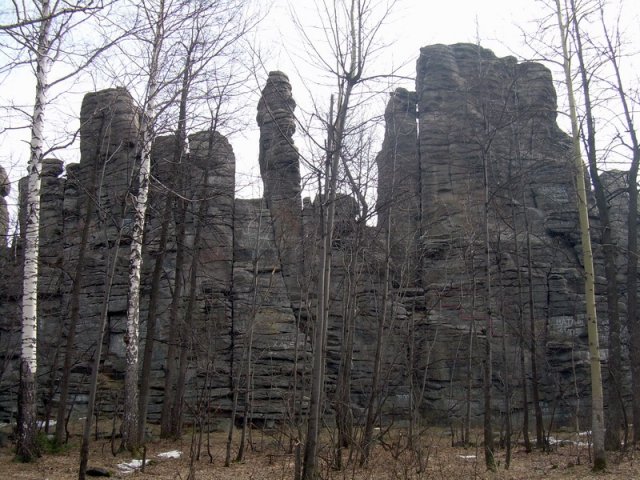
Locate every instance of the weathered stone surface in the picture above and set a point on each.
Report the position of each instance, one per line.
(488, 138)
(399, 207)
(476, 141)
(266, 333)
(280, 170)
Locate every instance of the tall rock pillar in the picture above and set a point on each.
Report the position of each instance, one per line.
(280, 170)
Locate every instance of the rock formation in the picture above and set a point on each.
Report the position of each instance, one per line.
(475, 208)
(280, 170)
(5, 190)
(399, 202)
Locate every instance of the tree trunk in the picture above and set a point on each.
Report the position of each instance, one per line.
(614, 412)
(145, 374)
(248, 347)
(179, 156)
(334, 150)
(372, 407)
(129, 432)
(310, 461)
(535, 378)
(342, 406)
(26, 448)
(632, 296)
(187, 325)
(597, 401)
(489, 458)
(521, 340)
(174, 335)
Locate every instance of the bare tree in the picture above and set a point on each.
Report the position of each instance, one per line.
(614, 413)
(351, 28)
(565, 16)
(156, 16)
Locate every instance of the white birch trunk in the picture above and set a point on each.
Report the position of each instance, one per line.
(130, 421)
(26, 447)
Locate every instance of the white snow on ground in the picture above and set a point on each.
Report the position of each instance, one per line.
(43, 423)
(467, 457)
(170, 454)
(134, 465)
(131, 466)
(556, 441)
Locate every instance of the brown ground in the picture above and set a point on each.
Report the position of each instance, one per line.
(390, 461)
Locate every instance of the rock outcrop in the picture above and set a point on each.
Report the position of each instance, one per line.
(399, 199)
(475, 210)
(280, 170)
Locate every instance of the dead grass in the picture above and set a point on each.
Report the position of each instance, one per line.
(433, 458)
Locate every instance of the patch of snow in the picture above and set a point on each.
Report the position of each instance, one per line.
(170, 454)
(131, 466)
(556, 441)
(43, 423)
(467, 457)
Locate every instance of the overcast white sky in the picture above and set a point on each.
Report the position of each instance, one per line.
(415, 23)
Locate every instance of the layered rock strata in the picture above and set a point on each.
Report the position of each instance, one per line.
(476, 214)
(280, 170)
(399, 198)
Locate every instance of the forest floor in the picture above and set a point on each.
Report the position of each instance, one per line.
(434, 458)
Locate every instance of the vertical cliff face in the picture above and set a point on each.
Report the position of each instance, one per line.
(399, 202)
(496, 174)
(476, 200)
(280, 170)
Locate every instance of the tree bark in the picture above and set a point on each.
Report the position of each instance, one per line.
(26, 448)
(597, 401)
(613, 416)
(129, 428)
(489, 447)
(174, 335)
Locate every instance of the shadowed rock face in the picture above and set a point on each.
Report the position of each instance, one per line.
(399, 176)
(489, 142)
(476, 200)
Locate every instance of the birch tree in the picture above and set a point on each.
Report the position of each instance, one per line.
(156, 16)
(36, 33)
(26, 446)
